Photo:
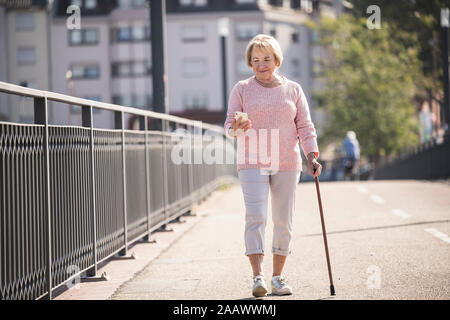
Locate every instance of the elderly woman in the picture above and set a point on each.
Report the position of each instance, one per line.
(272, 102)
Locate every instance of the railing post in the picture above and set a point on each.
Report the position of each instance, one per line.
(41, 117)
(144, 126)
(88, 121)
(164, 160)
(191, 165)
(179, 172)
(119, 124)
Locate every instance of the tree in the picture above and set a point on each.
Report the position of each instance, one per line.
(418, 17)
(370, 83)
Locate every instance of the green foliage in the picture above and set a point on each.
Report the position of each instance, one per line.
(418, 17)
(370, 82)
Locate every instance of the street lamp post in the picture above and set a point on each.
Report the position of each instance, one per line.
(446, 106)
(223, 31)
(158, 27)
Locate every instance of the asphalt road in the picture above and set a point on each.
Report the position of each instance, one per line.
(387, 240)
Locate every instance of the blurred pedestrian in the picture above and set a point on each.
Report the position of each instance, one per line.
(271, 101)
(425, 124)
(350, 150)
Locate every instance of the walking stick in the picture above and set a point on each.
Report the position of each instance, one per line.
(324, 233)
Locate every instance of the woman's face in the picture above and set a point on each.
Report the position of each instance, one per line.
(263, 64)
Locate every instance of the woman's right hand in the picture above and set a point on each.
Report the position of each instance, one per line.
(238, 125)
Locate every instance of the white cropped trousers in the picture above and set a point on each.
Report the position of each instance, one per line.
(255, 187)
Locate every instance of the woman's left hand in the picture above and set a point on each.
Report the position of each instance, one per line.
(314, 164)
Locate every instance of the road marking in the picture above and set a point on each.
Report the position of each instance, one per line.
(438, 234)
(377, 199)
(400, 213)
(362, 189)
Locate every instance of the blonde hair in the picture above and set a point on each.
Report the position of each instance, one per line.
(266, 43)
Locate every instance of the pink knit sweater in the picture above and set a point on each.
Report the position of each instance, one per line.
(284, 108)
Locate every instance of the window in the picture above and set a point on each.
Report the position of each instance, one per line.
(123, 34)
(131, 68)
(121, 69)
(91, 36)
(196, 3)
(26, 55)
(77, 72)
(194, 67)
(247, 30)
(75, 37)
(128, 34)
(138, 33)
(195, 100)
(193, 33)
(85, 72)
(139, 68)
(83, 37)
(24, 21)
(91, 72)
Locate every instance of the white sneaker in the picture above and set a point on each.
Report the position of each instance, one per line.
(259, 286)
(280, 287)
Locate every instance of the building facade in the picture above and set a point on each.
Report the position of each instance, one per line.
(81, 51)
(26, 58)
(109, 57)
(195, 78)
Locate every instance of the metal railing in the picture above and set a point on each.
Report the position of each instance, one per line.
(74, 196)
(427, 161)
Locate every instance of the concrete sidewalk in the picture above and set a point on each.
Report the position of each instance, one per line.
(123, 269)
(209, 262)
(375, 254)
